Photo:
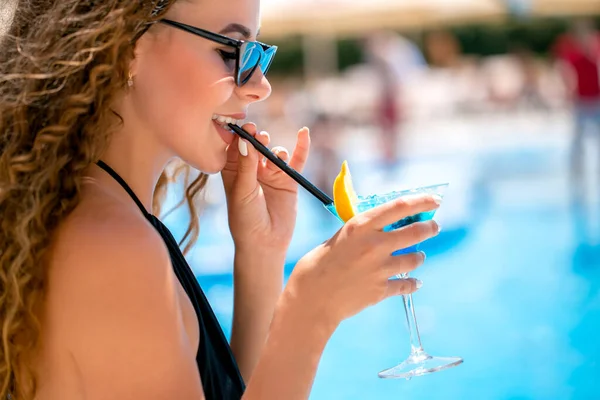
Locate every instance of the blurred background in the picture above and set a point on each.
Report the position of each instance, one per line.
(500, 98)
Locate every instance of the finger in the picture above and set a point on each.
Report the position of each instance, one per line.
(411, 235)
(250, 127)
(248, 161)
(397, 287)
(395, 210)
(282, 153)
(403, 264)
(233, 152)
(264, 138)
(301, 150)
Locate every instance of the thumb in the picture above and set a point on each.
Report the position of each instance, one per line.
(397, 287)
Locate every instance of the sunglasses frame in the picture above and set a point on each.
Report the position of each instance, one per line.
(227, 41)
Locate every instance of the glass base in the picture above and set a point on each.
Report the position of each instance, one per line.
(420, 363)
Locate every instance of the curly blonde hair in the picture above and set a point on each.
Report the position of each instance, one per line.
(63, 63)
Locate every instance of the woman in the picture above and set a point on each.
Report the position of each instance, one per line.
(97, 302)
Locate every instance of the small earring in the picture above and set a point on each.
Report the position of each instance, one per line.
(130, 80)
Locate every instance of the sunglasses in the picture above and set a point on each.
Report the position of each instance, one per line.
(248, 56)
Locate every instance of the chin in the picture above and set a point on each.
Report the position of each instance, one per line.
(212, 171)
(210, 167)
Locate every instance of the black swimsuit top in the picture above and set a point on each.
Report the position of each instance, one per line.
(221, 378)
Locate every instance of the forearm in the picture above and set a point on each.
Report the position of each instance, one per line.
(258, 283)
(290, 358)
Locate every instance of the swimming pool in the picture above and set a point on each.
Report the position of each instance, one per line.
(511, 285)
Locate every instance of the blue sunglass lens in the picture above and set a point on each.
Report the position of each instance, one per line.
(250, 57)
(267, 59)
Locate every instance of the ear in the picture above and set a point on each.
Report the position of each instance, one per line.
(137, 53)
(142, 46)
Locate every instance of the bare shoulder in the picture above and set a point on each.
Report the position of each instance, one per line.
(112, 304)
(101, 228)
(105, 246)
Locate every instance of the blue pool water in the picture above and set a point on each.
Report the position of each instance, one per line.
(511, 285)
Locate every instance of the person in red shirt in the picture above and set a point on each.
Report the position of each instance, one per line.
(578, 53)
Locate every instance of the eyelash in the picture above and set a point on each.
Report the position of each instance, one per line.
(227, 57)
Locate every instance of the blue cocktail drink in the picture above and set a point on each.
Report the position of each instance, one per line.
(419, 362)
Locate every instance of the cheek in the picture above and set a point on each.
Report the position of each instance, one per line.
(180, 90)
(194, 81)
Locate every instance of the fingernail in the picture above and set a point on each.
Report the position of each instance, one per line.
(263, 133)
(279, 150)
(418, 283)
(439, 227)
(437, 199)
(243, 147)
(424, 255)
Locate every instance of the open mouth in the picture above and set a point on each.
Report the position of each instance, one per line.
(224, 121)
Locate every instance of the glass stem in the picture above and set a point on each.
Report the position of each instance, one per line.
(411, 322)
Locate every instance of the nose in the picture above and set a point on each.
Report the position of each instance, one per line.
(256, 89)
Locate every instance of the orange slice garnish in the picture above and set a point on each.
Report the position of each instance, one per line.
(344, 196)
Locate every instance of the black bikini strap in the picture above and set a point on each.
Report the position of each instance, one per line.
(123, 184)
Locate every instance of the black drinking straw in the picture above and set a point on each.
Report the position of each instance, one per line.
(295, 175)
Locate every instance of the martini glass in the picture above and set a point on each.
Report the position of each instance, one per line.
(418, 362)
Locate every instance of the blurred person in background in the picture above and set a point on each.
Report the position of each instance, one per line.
(578, 55)
(530, 94)
(388, 114)
(393, 58)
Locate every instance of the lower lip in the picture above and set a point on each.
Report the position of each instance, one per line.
(225, 134)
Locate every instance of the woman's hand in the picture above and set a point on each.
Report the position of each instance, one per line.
(350, 271)
(261, 199)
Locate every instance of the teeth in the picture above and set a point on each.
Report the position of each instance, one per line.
(225, 120)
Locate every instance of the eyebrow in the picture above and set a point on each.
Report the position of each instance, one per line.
(238, 28)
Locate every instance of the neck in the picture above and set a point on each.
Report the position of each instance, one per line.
(138, 159)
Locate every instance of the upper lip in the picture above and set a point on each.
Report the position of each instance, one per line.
(234, 116)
